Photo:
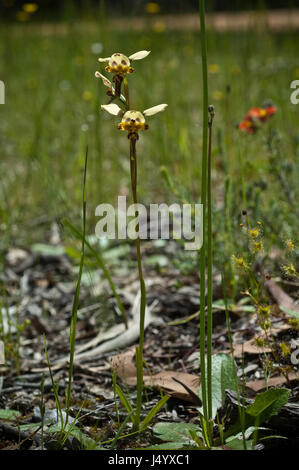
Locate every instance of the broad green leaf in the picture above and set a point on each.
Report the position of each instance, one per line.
(289, 312)
(237, 444)
(33, 426)
(50, 250)
(223, 378)
(73, 431)
(268, 404)
(9, 414)
(168, 446)
(90, 278)
(115, 253)
(248, 433)
(157, 260)
(176, 432)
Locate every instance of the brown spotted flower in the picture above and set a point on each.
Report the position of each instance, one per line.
(120, 64)
(133, 121)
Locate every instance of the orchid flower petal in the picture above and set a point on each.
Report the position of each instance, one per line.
(156, 109)
(139, 55)
(103, 59)
(113, 109)
(104, 79)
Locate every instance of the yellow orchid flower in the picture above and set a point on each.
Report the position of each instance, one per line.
(133, 121)
(120, 64)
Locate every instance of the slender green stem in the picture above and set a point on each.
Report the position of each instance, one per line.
(230, 339)
(139, 349)
(203, 202)
(101, 263)
(243, 188)
(210, 273)
(73, 324)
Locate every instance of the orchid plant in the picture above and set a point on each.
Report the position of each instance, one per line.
(132, 121)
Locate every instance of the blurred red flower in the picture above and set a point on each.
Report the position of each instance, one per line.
(255, 116)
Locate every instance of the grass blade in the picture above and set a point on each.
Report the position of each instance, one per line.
(153, 412)
(126, 403)
(101, 263)
(77, 294)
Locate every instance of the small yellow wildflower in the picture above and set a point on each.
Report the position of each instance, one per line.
(214, 68)
(87, 95)
(297, 72)
(159, 26)
(258, 246)
(240, 262)
(294, 322)
(152, 7)
(260, 342)
(266, 325)
(285, 349)
(217, 95)
(264, 312)
(268, 364)
(22, 16)
(30, 7)
(254, 233)
(290, 245)
(290, 270)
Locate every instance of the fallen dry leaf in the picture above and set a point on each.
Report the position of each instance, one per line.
(282, 299)
(165, 381)
(258, 385)
(122, 364)
(251, 348)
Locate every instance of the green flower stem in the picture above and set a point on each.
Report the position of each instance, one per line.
(203, 202)
(139, 349)
(210, 274)
(73, 324)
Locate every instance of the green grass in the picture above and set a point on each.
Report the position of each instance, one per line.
(42, 142)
